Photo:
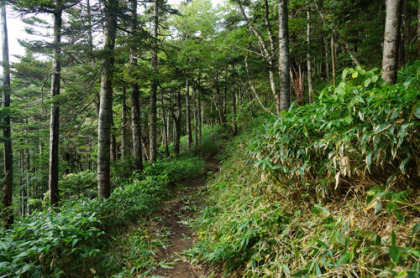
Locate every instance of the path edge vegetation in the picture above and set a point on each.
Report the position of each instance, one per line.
(334, 196)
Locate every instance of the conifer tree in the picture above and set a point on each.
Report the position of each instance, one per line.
(7, 145)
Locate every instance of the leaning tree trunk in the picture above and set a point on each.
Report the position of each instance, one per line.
(105, 107)
(284, 67)
(390, 53)
(7, 145)
(154, 85)
(308, 57)
(135, 95)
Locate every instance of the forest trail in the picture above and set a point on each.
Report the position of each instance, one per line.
(174, 214)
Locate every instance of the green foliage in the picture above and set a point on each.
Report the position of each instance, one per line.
(174, 170)
(74, 237)
(79, 184)
(360, 127)
(278, 214)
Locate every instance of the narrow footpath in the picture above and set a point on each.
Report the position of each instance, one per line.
(174, 216)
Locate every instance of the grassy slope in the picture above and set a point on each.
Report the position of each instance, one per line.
(329, 189)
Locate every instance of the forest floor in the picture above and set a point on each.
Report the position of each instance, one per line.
(173, 218)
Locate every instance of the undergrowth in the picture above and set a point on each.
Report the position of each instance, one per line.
(328, 189)
(76, 239)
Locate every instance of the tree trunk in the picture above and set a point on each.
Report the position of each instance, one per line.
(390, 53)
(165, 126)
(90, 36)
(327, 61)
(27, 173)
(123, 126)
(200, 112)
(235, 123)
(418, 29)
(284, 68)
(105, 108)
(135, 95)
(7, 145)
(195, 111)
(154, 85)
(177, 124)
(113, 151)
(308, 58)
(333, 59)
(187, 114)
(402, 34)
(55, 109)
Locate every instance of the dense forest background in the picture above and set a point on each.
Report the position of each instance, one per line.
(125, 98)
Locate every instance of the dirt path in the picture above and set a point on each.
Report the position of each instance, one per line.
(174, 214)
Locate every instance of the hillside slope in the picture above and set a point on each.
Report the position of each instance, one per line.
(328, 189)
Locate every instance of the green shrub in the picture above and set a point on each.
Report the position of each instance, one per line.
(72, 239)
(78, 184)
(361, 127)
(327, 189)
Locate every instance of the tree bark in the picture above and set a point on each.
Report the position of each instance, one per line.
(188, 114)
(390, 52)
(284, 67)
(154, 85)
(123, 126)
(105, 108)
(235, 123)
(418, 29)
(7, 145)
(333, 59)
(113, 151)
(195, 112)
(55, 108)
(89, 15)
(135, 95)
(200, 112)
(308, 58)
(327, 61)
(177, 124)
(165, 127)
(402, 38)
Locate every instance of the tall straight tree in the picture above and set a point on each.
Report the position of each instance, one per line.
(308, 58)
(418, 29)
(154, 85)
(7, 145)
(284, 64)
(135, 95)
(55, 108)
(56, 8)
(105, 106)
(187, 113)
(390, 52)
